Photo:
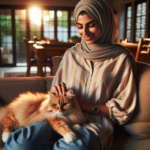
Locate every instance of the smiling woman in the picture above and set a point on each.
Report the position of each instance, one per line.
(106, 90)
(99, 70)
(88, 28)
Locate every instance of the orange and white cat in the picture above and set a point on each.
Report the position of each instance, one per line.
(62, 112)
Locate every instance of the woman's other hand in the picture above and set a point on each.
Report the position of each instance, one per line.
(60, 88)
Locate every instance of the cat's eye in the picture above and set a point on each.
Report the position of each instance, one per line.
(54, 104)
(64, 104)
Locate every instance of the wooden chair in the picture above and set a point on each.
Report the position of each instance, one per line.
(143, 50)
(46, 39)
(31, 61)
(56, 61)
(54, 40)
(35, 38)
(123, 41)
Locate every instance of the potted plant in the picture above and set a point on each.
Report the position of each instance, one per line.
(75, 39)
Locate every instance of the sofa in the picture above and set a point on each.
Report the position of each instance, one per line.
(134, 135)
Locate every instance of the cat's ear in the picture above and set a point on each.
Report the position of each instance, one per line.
(51, 94)
(70, 93)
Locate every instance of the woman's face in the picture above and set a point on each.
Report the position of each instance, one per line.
(88, 28)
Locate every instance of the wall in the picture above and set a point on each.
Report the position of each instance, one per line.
(71, 3)
(41, 2)
(47, 2)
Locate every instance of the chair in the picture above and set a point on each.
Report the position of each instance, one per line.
(31, 61)
(46, 39)
(54, 40)
(123, 41)
(35, 38)
(143, 50)
(4, 60)
(56, 61)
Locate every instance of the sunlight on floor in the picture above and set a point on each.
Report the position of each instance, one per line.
(19, 69)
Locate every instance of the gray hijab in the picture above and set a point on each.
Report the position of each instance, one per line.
(103, 48)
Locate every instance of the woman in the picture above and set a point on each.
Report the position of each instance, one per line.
(102, 77)
(101, 74)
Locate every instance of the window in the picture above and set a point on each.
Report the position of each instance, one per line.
(62, 26)
(73, 26)
(6, 46)
(18, 21)
(35, 22)
(134, 18)
(140, 21)
(48, 23)
(128, 22)
(20, 32)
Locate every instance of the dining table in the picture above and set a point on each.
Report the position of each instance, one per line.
(46, 50)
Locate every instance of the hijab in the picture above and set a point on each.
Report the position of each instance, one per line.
(103, 48)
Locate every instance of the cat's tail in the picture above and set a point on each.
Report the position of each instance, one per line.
(3, 112)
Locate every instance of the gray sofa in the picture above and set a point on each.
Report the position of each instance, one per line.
(135, 135)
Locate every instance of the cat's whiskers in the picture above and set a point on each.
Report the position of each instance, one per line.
(55, 114)
(60, 114)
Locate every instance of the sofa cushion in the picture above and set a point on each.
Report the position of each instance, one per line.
(1, 143)
(139, 130)
(10, 88)
(125, 142)
(48, 81)
(142, 111)
(139, 124)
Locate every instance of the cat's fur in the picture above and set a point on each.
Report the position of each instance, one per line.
(62, 112)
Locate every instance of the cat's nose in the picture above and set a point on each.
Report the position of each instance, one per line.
(59, 113)
(59, 109)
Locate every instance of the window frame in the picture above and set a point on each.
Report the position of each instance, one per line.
(27, 7)
(133, 21)
(136, 3)
(125, 31)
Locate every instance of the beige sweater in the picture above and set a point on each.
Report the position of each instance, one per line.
(109, 82)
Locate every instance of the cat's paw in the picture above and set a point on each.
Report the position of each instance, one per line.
(5, 136)
(70, 137)
(77, 127)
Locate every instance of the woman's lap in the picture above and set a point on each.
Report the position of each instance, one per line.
(87, 140)
(40, 136)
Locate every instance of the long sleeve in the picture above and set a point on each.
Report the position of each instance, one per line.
(123, 101)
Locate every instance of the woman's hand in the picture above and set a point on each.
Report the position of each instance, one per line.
(60, 88)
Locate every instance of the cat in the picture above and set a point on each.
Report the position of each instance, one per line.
(62, 112)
